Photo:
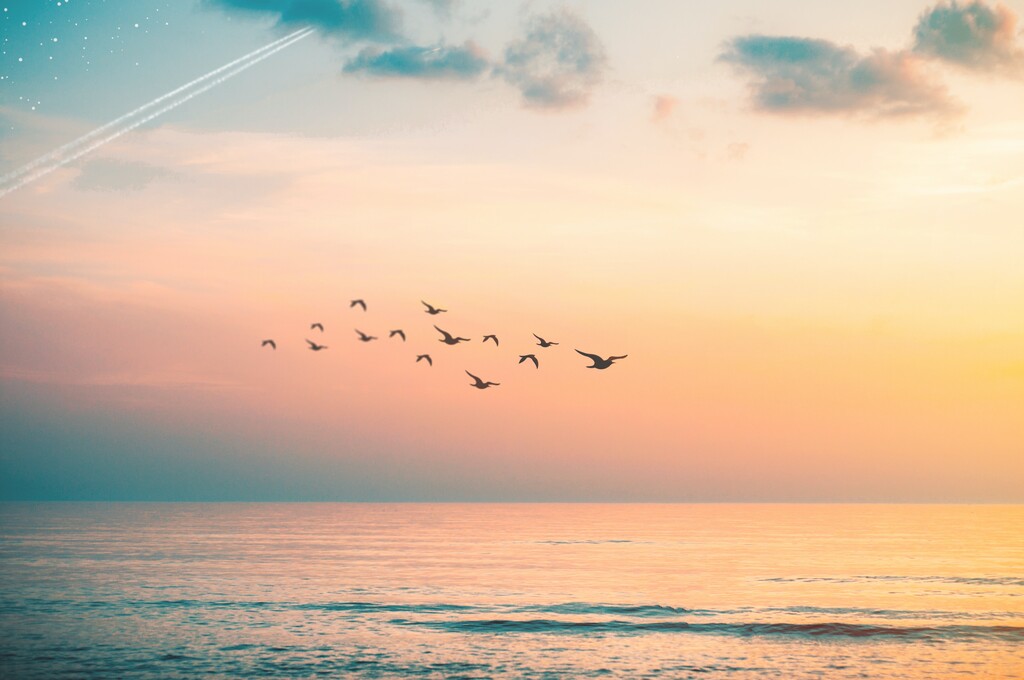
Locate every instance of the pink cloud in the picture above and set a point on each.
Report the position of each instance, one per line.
(664, 106)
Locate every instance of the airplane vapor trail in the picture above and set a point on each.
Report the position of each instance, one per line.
(59, 151)
(74, 150)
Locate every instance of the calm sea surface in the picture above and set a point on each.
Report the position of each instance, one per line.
(510, 591)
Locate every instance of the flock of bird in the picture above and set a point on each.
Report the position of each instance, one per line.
(447, 338)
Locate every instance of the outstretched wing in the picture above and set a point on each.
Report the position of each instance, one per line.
(474, 377)
(592, 357)
(617, 358)
(311, 343)
(535, 362)
(429, 360)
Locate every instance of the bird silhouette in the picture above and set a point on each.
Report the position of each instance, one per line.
(543, 342)
(448, 339)
(491, 337)
(424, 356)
(317, 325)
(364, 337)
(531, 357)
(269, 342)
(361, 303)
(400, 332)
(480, 384)
(315, 347)
(599, 362)
(431, 309)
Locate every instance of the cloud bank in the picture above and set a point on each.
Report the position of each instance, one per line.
(805, 75)
(465, 62)
(371, 20)
(557, 63)
(788, 74)
(973, 35)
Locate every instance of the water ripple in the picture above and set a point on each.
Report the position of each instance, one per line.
(808, 630)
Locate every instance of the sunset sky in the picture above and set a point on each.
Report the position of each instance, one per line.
(802, 221)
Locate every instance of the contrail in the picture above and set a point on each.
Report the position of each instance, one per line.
(100, 130)
(74, 150)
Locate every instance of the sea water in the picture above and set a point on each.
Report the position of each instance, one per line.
(148, 590)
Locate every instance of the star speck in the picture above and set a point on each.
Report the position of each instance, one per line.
(45, 42)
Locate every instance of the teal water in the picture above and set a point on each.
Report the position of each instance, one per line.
(510, 591)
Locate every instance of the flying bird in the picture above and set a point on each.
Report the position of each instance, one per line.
(400, 332)
(315, 347)
(491, 337)
(317, 325)
(480, 384)
(364, 337)
(531, 357)
(599, 362)
(419, 357)
(431, 309)
(448, 339)
(361, 303)
(269, 342)
(543, 342)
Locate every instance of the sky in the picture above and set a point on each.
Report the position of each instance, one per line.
(801, 221)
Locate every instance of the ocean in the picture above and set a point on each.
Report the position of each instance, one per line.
(335, 590)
